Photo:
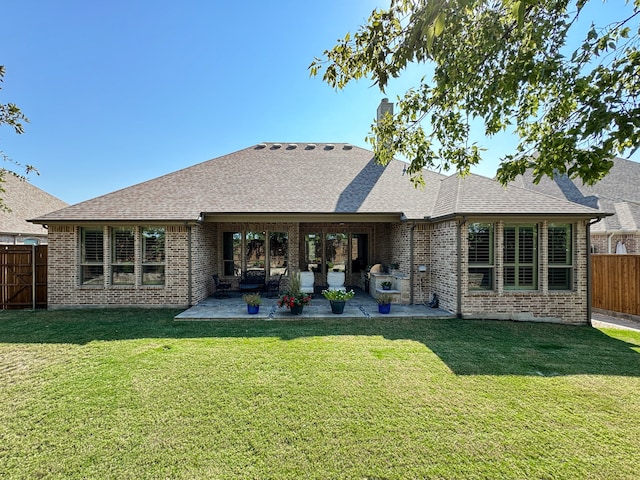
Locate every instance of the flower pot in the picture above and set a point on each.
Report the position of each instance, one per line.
(386, 287)
(337, 306)
(384, 308)
(296, 309)
(253, 309)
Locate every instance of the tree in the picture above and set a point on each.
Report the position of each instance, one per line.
(501, 66)
(13, 117)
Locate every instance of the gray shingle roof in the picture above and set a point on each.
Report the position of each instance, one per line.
(618, 193)
(477, 195)
(305, 178)
(25, 201)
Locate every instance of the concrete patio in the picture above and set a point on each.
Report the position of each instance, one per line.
(362, 305)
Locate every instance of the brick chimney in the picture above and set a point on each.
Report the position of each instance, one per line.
(384, 107)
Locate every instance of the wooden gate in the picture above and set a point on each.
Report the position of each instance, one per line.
(23, 276)
(615, 283)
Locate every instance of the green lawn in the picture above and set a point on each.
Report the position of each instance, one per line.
(133, 394)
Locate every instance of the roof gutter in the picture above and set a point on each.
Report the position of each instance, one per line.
(454, 216)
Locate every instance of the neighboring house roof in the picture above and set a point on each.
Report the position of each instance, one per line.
(478, 195)
(617, 193)
(306, 179)
(25, 201)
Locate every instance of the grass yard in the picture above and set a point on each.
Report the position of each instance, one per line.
(133, 394)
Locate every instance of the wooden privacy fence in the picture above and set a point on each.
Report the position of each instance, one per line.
(23, 276)
(616, 283)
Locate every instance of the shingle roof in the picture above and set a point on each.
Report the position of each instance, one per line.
(304, 178)
(476, 195)
(25, 201)
(617, 193)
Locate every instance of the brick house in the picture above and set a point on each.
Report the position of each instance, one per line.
(617, 192)
(24, 200)
(486, 250)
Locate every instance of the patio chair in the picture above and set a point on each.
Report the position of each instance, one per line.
(222, 288)
(306, 282)
(336, 281)
(273, 287)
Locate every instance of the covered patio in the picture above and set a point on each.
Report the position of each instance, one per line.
(362, 305)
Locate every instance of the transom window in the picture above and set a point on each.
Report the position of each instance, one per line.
(520, 257)
(560, 254)
(481, 257)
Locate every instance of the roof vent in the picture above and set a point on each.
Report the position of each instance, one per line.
(310, 146)
(276, 146)
(292, 146)
(329, 146)
(261, 145)
(347, 147)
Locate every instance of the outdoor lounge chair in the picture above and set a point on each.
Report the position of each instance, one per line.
(336, 281)
(222, 288)
(306, 282)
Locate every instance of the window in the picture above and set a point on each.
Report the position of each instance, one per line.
(122, 256)
(520, 257)
(91, 256)
(312, 252)
(278, 252)
(231, 253)
(337, 251)
(255, 250)
(560, 256)
(481, 265)
(153, 255)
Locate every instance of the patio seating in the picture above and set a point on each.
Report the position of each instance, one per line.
(273, 287)
(221, 288)
(336, 281)
(252, 281)
(306, 282)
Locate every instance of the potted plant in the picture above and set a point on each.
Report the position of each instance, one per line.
(384, 303)
(338, 298)
(294, 299)
(253, 301)
(386, 285)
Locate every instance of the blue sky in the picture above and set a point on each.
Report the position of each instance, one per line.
(122, 91)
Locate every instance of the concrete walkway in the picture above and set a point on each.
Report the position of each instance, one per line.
(601, 320)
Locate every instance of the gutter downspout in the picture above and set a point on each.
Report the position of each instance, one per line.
(189, 270)
(459, 267)
(608, 240)
(411, 263)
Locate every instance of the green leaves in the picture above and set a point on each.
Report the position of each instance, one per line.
(499, 66)
(12, 116)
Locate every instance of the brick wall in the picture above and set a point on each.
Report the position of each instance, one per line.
(65, 291)
(535, 305)
(601, 243)
(443, 268)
